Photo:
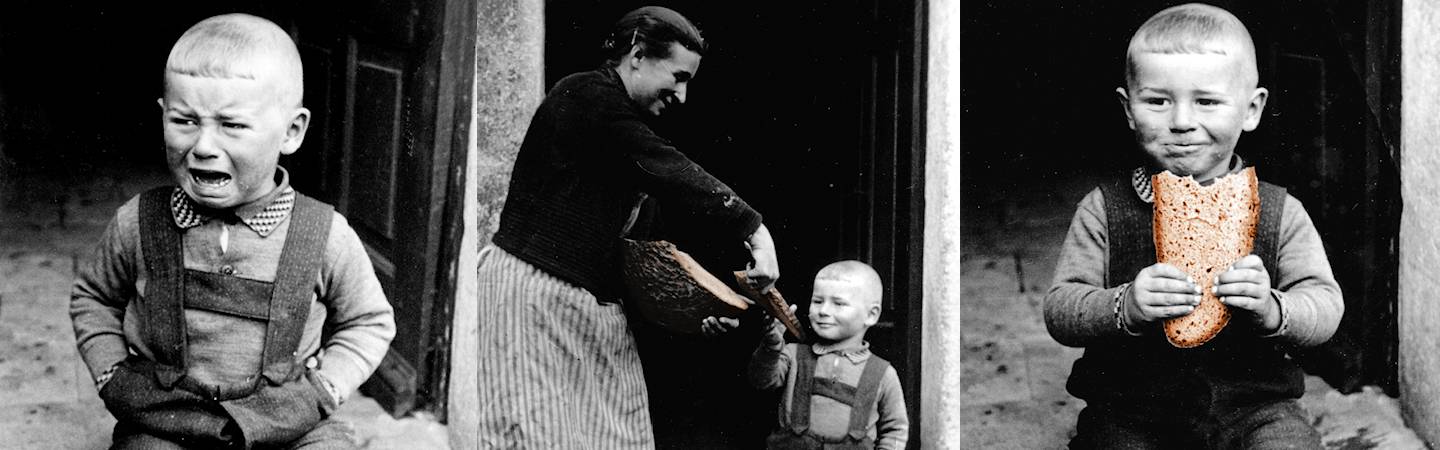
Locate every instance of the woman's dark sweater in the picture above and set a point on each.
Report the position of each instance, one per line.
(586, 157)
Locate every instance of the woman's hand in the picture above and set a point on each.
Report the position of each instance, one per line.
(764, 268)
(715, 326)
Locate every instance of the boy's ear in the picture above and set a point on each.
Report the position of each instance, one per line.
(295, 131)
(1124, 97)
(872, 315)
(1255, 109)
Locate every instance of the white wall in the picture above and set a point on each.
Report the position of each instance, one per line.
(1420, 219)
(940, 353)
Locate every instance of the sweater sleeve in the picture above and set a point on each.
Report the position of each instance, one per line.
(1079, 310)
(680, 184)
(892, 429)
(1310, 299)
(360, 318)
(770, 362)
(104, 285)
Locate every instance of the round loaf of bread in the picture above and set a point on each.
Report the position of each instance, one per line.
(1203, 230)
(672, 290)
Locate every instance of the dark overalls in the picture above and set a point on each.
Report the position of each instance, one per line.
(860, 398)
(154, 401)
(1142, 389)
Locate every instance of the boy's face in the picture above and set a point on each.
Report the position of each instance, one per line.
(224, 136)
(838, 314)
(1188, 110)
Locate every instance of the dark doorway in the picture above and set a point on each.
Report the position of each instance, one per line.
(808, 111)
(1039, 108)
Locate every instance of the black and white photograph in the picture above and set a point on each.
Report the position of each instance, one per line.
(435, 224)
(1198, 225)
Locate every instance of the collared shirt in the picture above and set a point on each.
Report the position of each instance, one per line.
(1140, 178)
(856, 354)
(349, 317)
(262, 215)
(773, 365)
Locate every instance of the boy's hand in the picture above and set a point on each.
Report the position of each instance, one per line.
(1161, 291)
(775, 333)
(1246, 286)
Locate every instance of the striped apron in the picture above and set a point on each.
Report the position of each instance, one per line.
(557, 368)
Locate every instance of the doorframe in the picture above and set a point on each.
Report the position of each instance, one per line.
(448, 168)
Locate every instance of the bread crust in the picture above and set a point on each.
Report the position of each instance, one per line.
(1203, 230)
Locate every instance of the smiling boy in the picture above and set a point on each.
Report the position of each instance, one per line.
(230, 311)
(1191, 91)
(837, 394)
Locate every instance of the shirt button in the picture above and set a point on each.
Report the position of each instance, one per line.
(227, 269)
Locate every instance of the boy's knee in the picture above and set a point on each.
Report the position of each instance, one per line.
(329, 434)
(1279, 426)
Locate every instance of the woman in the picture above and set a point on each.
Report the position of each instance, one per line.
(558, 365)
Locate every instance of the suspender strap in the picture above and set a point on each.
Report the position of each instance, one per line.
(161, 241)
(294, 285)
(1267, 237)
(804, 385)
(866, 393)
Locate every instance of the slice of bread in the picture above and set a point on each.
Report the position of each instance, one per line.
(1203, 230)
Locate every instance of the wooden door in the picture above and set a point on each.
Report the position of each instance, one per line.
(1333, 140)
(384, 81)
(887, 205)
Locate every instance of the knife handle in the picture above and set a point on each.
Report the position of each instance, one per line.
(774, 303)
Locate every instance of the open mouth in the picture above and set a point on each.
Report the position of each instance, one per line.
(209, 178)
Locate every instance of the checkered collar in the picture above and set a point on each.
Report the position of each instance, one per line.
(1140, 178)
(855, 354)
(263, 219)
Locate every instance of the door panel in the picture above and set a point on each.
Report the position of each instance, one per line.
(376, 148)
(379, 149)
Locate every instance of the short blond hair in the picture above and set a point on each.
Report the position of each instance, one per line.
(240, 46)
(1193, 28)
(867, 281)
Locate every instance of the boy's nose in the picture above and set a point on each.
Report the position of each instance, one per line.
(1182, 118)
(205, 146)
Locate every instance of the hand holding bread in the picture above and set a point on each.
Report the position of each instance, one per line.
(1161, 291)
(1246, 286)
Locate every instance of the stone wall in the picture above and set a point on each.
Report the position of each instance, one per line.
(1419, 312)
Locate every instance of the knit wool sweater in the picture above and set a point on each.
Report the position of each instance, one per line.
(586, 157)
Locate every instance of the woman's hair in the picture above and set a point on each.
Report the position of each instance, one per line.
(652, 28)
